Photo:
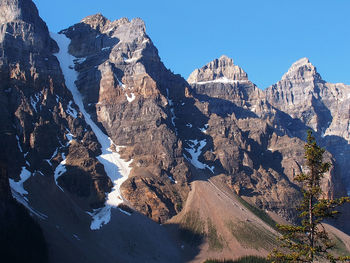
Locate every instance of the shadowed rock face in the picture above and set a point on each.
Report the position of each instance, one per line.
(17, 227)
(321, 106)
(38, 114)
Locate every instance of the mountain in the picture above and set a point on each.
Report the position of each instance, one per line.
(119, 159)
(250, 136)
(127, 90)
(316, 104)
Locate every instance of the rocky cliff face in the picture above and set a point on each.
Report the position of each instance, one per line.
(43, 126)
(219, 70)
(316, 104)
(127, 89)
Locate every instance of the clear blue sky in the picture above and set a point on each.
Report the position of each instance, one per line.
(263, 37)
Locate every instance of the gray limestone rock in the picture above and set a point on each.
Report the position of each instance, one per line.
(321, 106)
(37, 108)
(222, 69)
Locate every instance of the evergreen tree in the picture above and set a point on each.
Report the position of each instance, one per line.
(309, 241)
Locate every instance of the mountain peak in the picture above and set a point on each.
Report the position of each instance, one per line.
(97, 20)
(302, 69)
(221, 68)
(301, 62)
(24, 10)
(226, 59)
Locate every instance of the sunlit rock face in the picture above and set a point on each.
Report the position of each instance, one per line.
(129, 92)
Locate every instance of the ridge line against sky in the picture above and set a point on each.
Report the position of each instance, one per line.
(262, 37)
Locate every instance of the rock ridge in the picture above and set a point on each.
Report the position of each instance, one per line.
(221, 70)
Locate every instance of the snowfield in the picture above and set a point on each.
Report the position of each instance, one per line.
(117, 169)
(18, 192)
(195, 151)
(223, 80)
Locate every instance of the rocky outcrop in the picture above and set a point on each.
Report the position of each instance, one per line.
(222, 69)
(38, 112)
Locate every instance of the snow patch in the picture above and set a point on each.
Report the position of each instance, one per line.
(119, 82)
(172, 179)
(53, 155)
(71, 111)
(19, 144)
(117, 169)
(60, 169)
(21, 199)
(171, 104)
(129, 60)
(105, 48)
(189, 125)
(100, 217)
(34, 101)
(18, 186)
(18, 192)
(204, 129)
(124, 212)
(80, 60)
(130, 99)
(70, 137)
(220, 80)
(195, 151)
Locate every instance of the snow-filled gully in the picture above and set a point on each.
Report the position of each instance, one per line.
(116, 168)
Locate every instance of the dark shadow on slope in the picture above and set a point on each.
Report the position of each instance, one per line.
(336, 145)
(224, 108)
(18, 230)
(125, 238)
(323, 113)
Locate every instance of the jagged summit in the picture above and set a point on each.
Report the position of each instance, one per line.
(20, 20)
(303, 70)
(301, 62)
(20, 10)
(12, 10)
(103, 24)
(95, 20)
(222, 69)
